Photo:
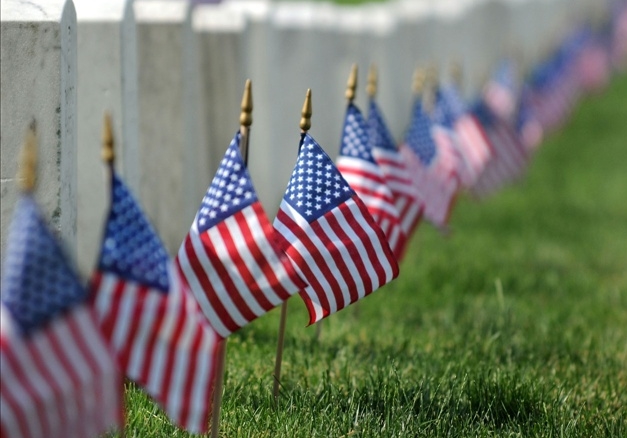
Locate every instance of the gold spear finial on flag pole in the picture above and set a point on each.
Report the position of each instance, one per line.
(27, 172)
(246, 119)
(108, 151)
(371, 88)
(419, 80)
(306, 112)
(351, 85)
(457, 73)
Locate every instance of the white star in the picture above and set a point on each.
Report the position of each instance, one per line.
(308, 212)
(224, 207)
(212, 214)
(230, 187)
(242, 181)
(248, 195)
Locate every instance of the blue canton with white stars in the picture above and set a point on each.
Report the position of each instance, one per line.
(316, 186)
(230, 191)
(449, 106)
(38, 284)
(131, 248)
(355, 136)
(378, 131)
(418, 136)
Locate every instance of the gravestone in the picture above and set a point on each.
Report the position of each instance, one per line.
(38, 82)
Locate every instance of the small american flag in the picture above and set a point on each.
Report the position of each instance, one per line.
(150, 319)
(435, 169)
(327, 231)
(510, 156)
(407, 198)
(59, 378)
(468, 137)
(359, 168)
(500, 92)
(527, 125)
(229, 257)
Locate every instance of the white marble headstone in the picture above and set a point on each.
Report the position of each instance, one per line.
(38, 82)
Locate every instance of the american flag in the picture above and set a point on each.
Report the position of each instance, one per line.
(229, 257)
(149, 317)
(468, 137)
(510, 155)
(527, 125)
(436, 168)
(327, 231)
(59, 378)
(407, 198)
(500, 92)
(359, 168)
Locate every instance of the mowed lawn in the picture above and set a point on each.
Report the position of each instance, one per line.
(514, 325)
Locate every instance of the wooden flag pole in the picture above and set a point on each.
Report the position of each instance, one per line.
(305, 124)
(107, 152)
(351, 89)
(245, 120)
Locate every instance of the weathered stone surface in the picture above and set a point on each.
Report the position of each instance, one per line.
(38, 81)
(107, 82)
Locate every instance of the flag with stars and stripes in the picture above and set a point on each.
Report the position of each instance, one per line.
(407, 198)
(359, 168)
(469, 140)
(510, 157)
(59, 378)
(328, 233)
(229, 257)
(500, 92)
(149, 317)
(433, 162)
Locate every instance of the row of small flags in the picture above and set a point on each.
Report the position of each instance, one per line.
(338, 236)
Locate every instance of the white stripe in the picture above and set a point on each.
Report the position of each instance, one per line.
(199, 293)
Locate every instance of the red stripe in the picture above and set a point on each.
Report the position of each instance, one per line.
(190, 376)
(207, 287)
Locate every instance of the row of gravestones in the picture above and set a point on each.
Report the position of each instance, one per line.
(172, 77)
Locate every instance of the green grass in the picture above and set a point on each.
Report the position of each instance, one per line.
(515, 325)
